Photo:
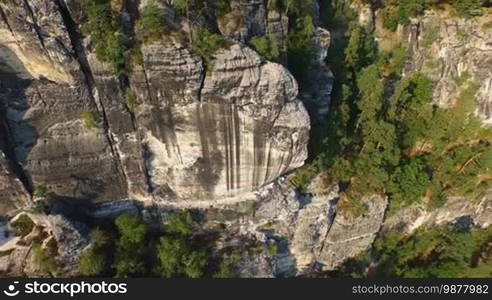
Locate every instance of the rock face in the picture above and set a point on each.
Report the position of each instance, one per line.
(64, 241)
(13, 195)
(220, 134)
(410, 218)
(453, 52)
(195, 135)
(310, 232)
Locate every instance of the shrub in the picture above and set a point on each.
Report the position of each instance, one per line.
(131, 228)
(105, 30)
(23, 225)
(266, 47)
(94, 260)
(180, 223)
(43, 206)
(468, 7)
(151, 26)
(462, 78)
(178, 260)
(131, 246)
(272, 250)
(428, 252)
(301, 178)
(179, 6)
(43, 259)
(299, 47)
(41, 191)
(89, 119)
(205, 44)
(409, 182)
(228, 266)
(131, 101)
(430, 35)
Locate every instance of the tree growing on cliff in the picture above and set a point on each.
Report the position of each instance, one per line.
(103, 25)
(94, 261)
(131, 247)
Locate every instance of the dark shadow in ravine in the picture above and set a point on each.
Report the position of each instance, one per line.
(17, 137)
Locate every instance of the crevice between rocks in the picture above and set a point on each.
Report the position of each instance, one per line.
(9, 152)
(80, 55)
(34, 23)
(4, 18)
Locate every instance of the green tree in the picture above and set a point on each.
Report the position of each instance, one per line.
(206, 44)
(131, 246)
(94, 261)
(266, 47)
(180, 223)
(104, 27)
(178, 260)
(151, 25)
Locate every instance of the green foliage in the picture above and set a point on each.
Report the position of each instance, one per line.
(400, 11)
(299, 47)
(302, 177)
(104, 27)
(44, 259)
(336, 13)
(272, 250)
(404, 148)
(219, 7)
(43, 206)
(206, 44)
(394, 61)
(180, 223)
(361, 50)
(131, 101)
(266, 47)
(94, 261)
(41, 191)
(23, 225)
(228, 266)
(469, 7)
(177, 259)
(151, 26)
(178, 254)
(430, 35)
(89, 119)
(131, 246)
(462, 78)
(429, 252)
(179, 6)
(409, 182)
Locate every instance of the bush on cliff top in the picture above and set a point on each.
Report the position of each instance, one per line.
(103, 25)
(151, 26)
(266, 47)
(206, 44)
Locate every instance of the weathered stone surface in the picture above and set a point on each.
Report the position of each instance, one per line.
(215, 137)
(71, 238)
(350, 236)
(13, 195)
(319, 84)
(192, 137)
(445, 47)
(410, 218)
